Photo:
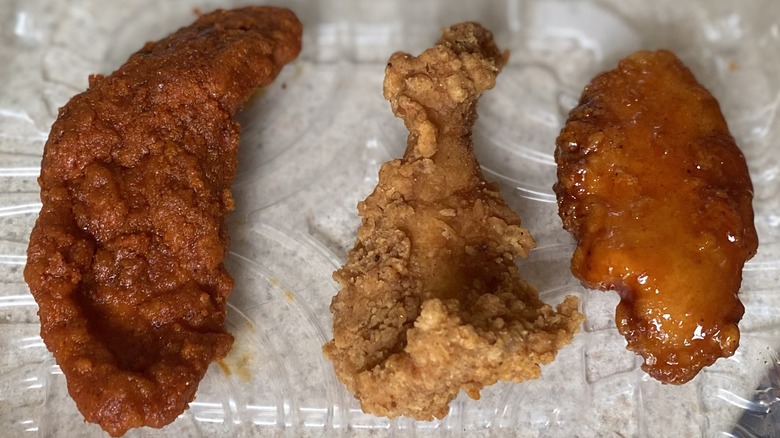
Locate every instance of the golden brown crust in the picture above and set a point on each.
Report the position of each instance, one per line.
(431, 301)
(126, 257)
(658, 195)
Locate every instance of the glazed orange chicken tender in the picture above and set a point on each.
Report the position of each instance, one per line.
(658, 195)
(431, 301)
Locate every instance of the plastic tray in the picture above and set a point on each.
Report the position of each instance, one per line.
(311, 148)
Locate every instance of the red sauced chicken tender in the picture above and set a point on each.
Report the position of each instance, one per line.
(126, 258)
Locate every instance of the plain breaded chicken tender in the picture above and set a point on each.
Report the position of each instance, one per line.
(126, 257)
(431, 301)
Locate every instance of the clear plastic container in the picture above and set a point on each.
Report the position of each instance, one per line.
(311, 148)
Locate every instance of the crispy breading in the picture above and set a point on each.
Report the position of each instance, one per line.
(431, 301)
(126, 257)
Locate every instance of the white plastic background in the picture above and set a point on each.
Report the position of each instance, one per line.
(311, 148)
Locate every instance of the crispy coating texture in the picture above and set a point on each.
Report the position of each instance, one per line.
(126, 257)
(431, 301)
(658, 196)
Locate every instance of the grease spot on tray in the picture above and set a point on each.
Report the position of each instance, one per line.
(239, 364)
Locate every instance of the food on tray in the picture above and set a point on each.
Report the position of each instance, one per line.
(658, 196)
(431, 301)
(126, 258)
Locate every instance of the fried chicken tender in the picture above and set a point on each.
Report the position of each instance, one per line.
(431, 301)
(658, 196)
(126, 257)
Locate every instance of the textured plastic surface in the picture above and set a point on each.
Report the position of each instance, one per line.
(311, 148)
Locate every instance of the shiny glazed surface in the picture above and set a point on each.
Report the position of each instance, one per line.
(311, 147)
(658, 195)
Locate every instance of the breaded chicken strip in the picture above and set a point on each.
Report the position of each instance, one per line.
(658, 195)
(431, 301)
(126, 257)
